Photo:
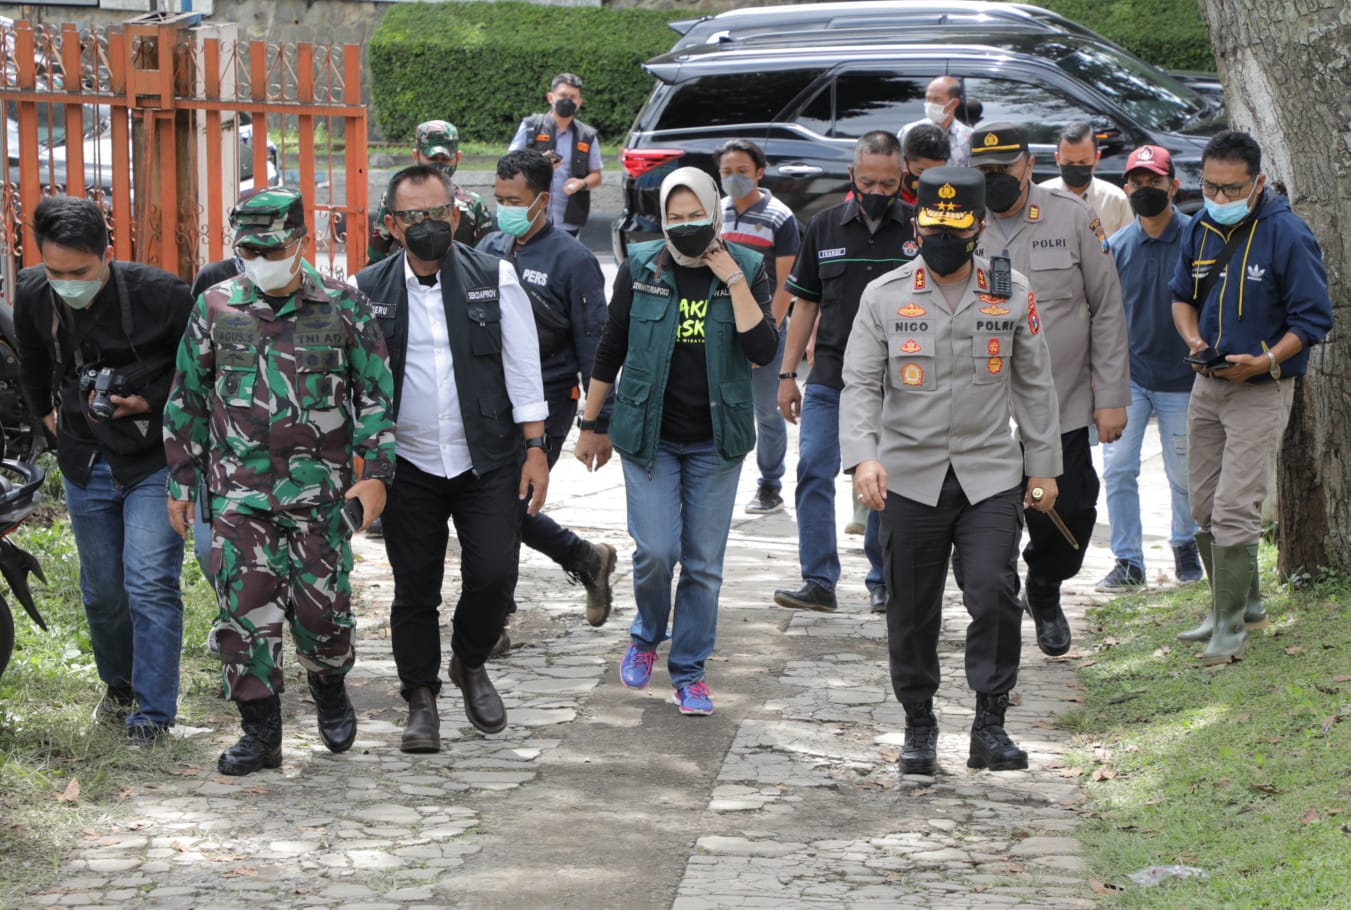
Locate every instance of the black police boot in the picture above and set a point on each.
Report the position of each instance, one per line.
(593, 567)
(919, 755)
(260, 746)
(337, 717)
(1043, 605)
(990, 745)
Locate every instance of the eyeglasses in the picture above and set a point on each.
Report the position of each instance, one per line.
(417, 216)
(1227, 190)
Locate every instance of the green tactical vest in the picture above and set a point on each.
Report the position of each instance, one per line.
(635, 426)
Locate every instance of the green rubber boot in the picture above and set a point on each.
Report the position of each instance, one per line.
(1230, 586)
(1205, 541)
(1254, 614)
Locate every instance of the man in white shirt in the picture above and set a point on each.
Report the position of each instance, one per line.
(1077, 156)
(941, 100)
(470, 408)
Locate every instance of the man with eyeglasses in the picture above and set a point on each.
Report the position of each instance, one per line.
(1057, 241)
(281, 381)
(470, 406)
(1250, 297)
(1145, 252)
(436, 142)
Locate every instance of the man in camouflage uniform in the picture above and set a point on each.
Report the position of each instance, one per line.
(437, 144)
(281, 379)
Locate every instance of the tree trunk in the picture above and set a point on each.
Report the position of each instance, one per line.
(1286, 69)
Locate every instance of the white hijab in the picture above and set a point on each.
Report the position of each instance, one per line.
(705, 189)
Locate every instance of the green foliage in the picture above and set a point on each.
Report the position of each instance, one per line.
(485, 66)
(1167, 33)
(1241, 770)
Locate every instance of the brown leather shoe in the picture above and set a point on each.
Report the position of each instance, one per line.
(423, 732)
(482, 705)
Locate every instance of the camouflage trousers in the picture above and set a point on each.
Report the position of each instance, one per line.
(271, 567)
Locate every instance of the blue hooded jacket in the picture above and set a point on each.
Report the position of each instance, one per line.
(1274, 283)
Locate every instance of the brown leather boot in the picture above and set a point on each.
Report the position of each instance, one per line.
(423, 731)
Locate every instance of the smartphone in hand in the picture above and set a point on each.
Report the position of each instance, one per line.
(1208, 359)
(353, 515)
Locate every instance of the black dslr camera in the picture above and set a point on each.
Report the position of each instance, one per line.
(105, 383)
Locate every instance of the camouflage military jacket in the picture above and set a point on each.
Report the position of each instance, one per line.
(271, 406)
(476, 222)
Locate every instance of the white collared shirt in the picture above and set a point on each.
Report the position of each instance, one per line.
(430, 431)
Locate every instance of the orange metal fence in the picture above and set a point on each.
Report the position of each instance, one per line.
(156, 114)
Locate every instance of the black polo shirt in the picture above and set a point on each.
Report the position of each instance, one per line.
(839, 256)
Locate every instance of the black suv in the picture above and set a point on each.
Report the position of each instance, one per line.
(806, 100)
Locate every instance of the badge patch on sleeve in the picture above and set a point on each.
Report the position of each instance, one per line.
(1033, 320)
(1096, 227)
(912, 374)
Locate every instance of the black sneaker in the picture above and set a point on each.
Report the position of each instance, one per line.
(144, 735)
(810, 596)
(767, 501)
(1124, 577)
(1187, 563)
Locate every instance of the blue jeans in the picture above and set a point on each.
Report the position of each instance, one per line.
(130, 563)
(818, 464)
(680, 510)
(1121, 471)
(771, 443)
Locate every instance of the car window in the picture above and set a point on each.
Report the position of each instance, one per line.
(732, 99)
(818, 114)
(872, 100)
(1037, 109)
(1152, 97)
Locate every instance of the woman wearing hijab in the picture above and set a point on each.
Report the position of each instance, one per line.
(688, 319)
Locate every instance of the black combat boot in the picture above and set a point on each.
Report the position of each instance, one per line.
(990, 745)
(260, 746)
(919, 755)
(1043, 605)
(337, 717)
(593, 566)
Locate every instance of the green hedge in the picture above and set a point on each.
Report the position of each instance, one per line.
(484, 66)
(1168, 33)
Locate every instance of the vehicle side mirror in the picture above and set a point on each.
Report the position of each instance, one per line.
(1107, 134)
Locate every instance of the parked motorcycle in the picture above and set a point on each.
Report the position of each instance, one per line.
(20, 494)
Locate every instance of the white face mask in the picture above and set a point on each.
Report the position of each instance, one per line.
(271, 274)
(936, 112)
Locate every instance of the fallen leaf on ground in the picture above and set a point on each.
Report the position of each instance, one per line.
(1308, 818)
(1101, 774)
(1341, 679)
(72, 791)
(1268, 789)
(923, 791)
(181, 847)
(1329, 723)
(1103, 887)
(239, 871)
(1295, 650)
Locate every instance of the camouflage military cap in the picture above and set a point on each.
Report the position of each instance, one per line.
(437, 137)
(268, 218)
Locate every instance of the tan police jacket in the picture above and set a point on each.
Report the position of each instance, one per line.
(926, 387)
(1057, 241)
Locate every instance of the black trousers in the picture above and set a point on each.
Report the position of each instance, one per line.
(484, 510)
(540, 532)
(1050, 558)
(916, 543)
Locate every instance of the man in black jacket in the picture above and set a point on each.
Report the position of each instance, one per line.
(470, 410)
(96, 343)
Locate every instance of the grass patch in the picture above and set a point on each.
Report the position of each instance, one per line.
(47, 736)
(1243, 771)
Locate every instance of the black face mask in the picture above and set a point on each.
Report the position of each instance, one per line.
(1149, 201)
(565, 107)
(690, 240)
(429, 240)
(910, 184)
(945, 254)
(1076, 175)
(875, 205)
(1002, 191)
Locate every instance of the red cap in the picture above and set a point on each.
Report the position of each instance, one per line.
(1151, 158)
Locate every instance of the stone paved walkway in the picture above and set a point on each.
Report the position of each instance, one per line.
(598, 796)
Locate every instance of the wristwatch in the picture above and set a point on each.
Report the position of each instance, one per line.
(537, 442)
(584, 424)
(1275, 370)
(792, 374)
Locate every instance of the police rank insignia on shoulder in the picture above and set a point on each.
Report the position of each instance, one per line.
(994, 365)
(992, 305)
(1033, 213)
(1096, 227)
(911, 310)
(981, 282)
(919, 279)
(911, 346)
(1033, 320)
(912, 374)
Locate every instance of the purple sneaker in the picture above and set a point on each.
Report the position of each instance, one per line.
(635, 670)
(693, 699)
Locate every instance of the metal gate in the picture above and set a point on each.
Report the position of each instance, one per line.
(168, 121)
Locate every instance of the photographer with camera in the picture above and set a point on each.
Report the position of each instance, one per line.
(96, 342)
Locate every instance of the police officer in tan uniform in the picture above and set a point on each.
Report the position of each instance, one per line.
(937, 363)
(1057, 241)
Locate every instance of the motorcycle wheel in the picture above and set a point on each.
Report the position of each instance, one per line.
(6, 636)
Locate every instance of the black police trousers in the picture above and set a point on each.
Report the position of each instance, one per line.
(1049, 556)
